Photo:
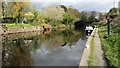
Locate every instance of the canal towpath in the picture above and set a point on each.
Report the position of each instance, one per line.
(99, 59)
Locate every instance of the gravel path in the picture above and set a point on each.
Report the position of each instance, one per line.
(98, 52)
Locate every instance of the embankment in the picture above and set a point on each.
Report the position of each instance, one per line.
(86, 52)
(19, 29)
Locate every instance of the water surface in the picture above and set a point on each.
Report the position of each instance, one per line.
(50, 48)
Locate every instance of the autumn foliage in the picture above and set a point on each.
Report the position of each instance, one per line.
(17, 7)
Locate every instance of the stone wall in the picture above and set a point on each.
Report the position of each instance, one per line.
(21, 35)
(17, 33)
(21, 29)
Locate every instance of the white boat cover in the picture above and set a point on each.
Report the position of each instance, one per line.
(89, 28)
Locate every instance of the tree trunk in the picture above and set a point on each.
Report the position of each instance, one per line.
(3, 9)
(19, 15)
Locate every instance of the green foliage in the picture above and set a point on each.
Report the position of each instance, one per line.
(70, 16)
(67, 19)
(83, 16)
(54, 24)
(54, 17)
(53, 12)
(14, 25)
(64, 7)
(36, 13)
(47, 20)
(3, 8)
(88, 17)
(110, 44)
(100, 16)
(36, 16)
(73, 12)
(113, 12)
(92, 18)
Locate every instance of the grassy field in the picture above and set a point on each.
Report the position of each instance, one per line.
(111, 44)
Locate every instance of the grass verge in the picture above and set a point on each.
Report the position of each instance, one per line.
(111, 44)
(91, 56)
(14, 25)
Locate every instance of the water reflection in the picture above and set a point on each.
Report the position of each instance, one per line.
(58, 48)
(16, 53)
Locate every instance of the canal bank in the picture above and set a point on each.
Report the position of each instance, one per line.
(93, 54)
(15, 33)
(86, 52)
(21, 29)
(98, 57)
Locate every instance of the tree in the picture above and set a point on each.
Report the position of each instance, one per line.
(36, 14)
(74, 12)
(67, 19)
(53, 12)
(93, 13)
(0, 9)
(17, 8)
(6, 9)
(112, 12)
(92, 17)
(84, 16)
(64, 7)
(100, 16)
(3, 3)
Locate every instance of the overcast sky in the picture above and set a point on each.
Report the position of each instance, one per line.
(81, 5)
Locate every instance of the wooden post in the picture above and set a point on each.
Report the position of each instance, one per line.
(108, 24)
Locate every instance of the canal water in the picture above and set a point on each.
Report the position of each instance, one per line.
(63, 47)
